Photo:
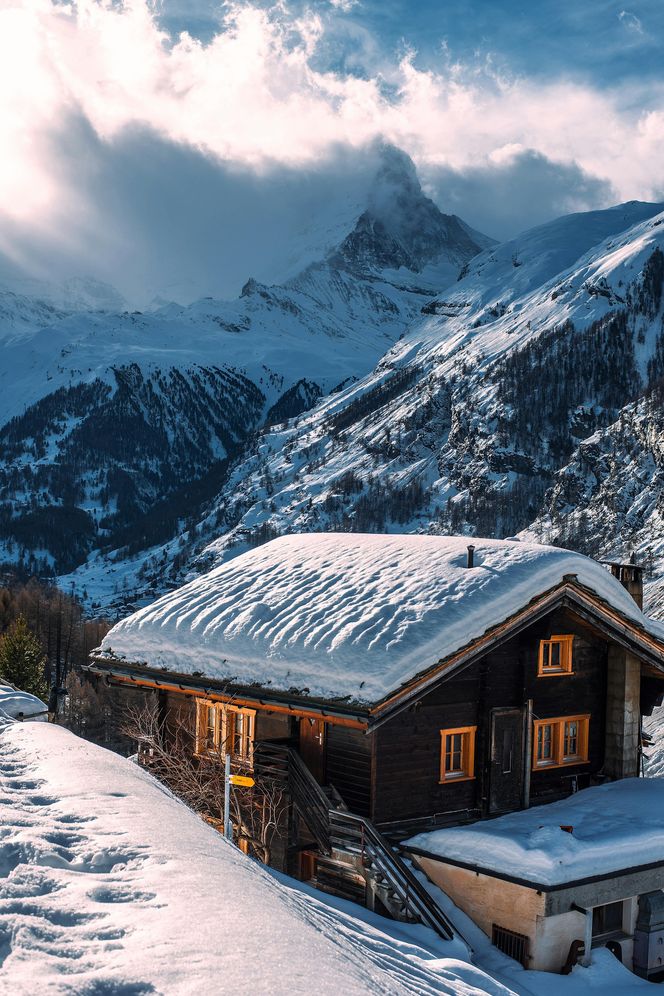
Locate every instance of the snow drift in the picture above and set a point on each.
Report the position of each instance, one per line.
(110, 885)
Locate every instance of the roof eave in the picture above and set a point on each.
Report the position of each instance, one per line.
(141, 674)
(567, 593)
(571, 883)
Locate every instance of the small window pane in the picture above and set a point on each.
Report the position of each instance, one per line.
(571, 748)
(210, 728)
(545, 742)
(454, 752)
(607, 919)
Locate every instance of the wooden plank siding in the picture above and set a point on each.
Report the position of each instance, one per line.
(349, 766)
(406, 749)
(180, 716)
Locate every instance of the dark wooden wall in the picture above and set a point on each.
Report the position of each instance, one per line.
(349, 766)
(274, 726)
(406, 750)
(179, 712)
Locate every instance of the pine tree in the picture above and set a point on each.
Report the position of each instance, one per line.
(22, 659)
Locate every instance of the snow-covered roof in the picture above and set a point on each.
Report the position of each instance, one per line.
(347, 614)
(616, 826)
(16, 704)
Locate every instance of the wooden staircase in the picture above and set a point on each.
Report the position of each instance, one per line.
(355, 861)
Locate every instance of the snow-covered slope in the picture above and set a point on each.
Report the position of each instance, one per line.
(464, 424)
(106, 415)
(608, 497)
(109, 885)
(347, 616)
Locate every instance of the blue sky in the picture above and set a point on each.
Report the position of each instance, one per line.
(606, 42)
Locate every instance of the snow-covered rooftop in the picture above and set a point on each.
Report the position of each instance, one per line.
(16, 704)
(347, 614)
(615, 826)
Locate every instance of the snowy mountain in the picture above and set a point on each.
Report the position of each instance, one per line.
(116, 425)
(503, 402)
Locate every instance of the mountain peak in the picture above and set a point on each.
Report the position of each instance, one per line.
(401, 226)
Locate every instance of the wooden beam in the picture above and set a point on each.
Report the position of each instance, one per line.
(238, 700)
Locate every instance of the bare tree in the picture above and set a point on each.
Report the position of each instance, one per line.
(259, 814)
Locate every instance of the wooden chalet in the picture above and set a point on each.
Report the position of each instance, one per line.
(504, 676)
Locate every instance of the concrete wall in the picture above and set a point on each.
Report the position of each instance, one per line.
(623, 714)
(609, 890)
(547, 919)
(554, 935)
(487, 900)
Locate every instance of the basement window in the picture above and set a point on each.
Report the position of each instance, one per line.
(555, 656)
(608, 919)
(457, 754)
(560, 741)
(222, 729)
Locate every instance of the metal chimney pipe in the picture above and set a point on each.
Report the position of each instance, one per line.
(471, 556)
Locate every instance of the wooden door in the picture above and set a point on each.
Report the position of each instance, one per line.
(506, 768)
(312, 747)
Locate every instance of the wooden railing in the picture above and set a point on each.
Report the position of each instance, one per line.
(357, 835)
(307, 795)
(341, 830)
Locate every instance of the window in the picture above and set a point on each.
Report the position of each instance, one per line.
(555, 656)
(221, 728)
(208, 728)
(457, 754)
(240, 735)
(608, 919)
(559, 741)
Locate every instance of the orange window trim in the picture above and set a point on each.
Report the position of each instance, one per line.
(224, 730)
(558, 759)
(467, 754)
(565, 643)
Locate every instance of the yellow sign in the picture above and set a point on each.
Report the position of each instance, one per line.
(241, 780)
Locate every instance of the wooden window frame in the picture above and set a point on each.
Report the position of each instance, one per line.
(566, 642)
(224, 731)
(246, 754)
(203, 708)
(558, 757)
(467, 772)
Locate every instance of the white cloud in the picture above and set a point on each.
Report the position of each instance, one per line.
(631, 21)
(344, 5)
(253, 99)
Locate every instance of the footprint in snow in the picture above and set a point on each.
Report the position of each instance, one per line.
(54, 917)
(120, 895)
(23, 785)
(41, 800)
(112, 987)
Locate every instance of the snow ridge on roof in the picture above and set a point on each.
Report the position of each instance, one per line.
(347, 615)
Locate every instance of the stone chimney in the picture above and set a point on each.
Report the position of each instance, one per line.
(631, 577)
